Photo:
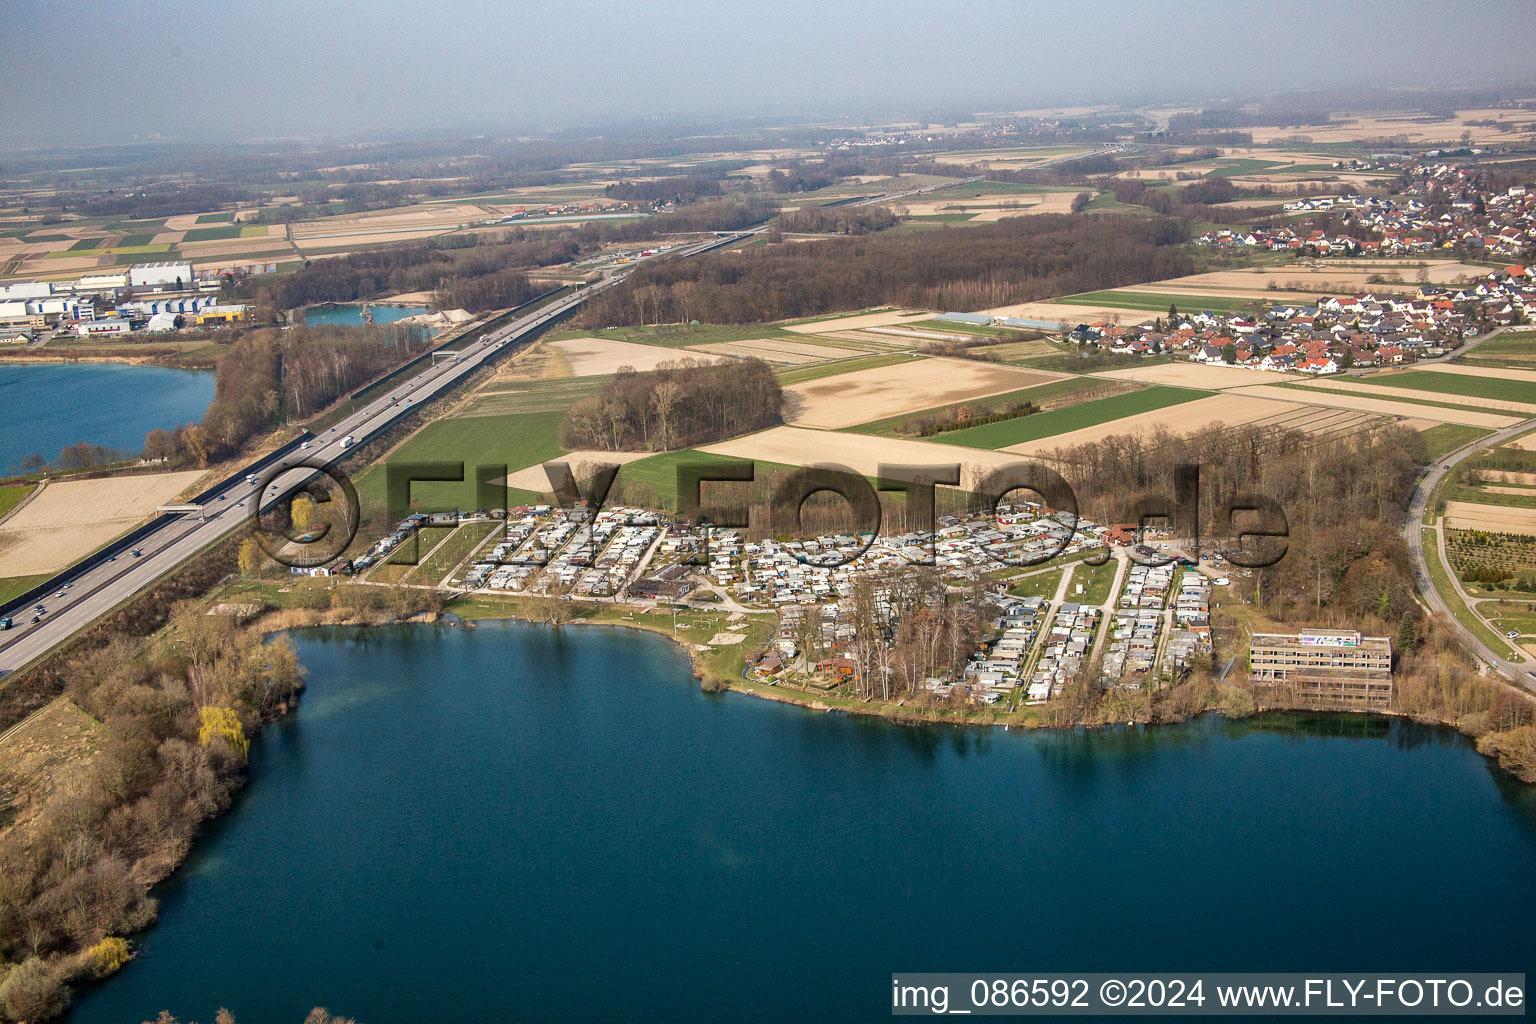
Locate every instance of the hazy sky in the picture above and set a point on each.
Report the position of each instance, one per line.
(89, 72)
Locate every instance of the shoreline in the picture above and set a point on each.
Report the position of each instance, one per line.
(895, 712)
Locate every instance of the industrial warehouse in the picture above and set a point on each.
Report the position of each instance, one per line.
(179, 298)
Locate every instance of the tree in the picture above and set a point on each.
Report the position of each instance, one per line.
(31, 992)
(1173, 315)
(1080, 201)
(250, 555)
(198, 443)
(223, 723)
(302, 511)
(1407, 637)
(1229, 353)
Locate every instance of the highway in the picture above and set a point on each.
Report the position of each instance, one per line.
(108, 585)
(1413, 532)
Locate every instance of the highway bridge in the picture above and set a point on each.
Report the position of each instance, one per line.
(74, 599)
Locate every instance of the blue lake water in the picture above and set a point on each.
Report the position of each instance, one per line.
(514, 823)
(351, 315)
(52, 405)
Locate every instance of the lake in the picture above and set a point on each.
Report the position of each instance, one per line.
(512, 823)
(351, 315)
(51, 405)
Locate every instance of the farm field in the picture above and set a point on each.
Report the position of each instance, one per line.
(1465, 515)
(1382, 386)
(1382, 407)
(1511, 349)
(865, 395)
(591, 355)
(1225, 408)
(1065, 421)
(1516, 386)
(72, 518)
(1059, 392)
(1159, 302)
(1186, 374)
(817, 372)
(856, 322)
(774, 350)
(863, 453)
(533, 478)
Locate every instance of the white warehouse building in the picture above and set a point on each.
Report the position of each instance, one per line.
(26, 290)
(159, 275)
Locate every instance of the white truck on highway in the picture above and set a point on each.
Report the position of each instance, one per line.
(348, 441)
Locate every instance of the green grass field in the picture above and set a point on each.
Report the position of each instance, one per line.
(514, 441)
(143, 238)
(653, 481)
(1040, 584)
(679, 335)
(1238, 167)
(14, 586)
(1157, 303)
(1457, 384)
(211, 234)
(89, 243)
(10, 497)
(215, 218)
(1096, 581)
(1447, 437)
(1061, 421)
(254, 231)
(890, 426)
(1515, 349)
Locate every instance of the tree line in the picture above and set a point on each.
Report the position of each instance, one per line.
(678, 405)
(268, 377)
(1014, 260)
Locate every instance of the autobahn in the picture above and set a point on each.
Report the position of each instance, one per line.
(87, 597)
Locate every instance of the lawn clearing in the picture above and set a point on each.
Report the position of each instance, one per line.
(12, 496)
(1444, 438)
(519, 440)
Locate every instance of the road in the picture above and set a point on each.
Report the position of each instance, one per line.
(108, 585)
(1413, 532)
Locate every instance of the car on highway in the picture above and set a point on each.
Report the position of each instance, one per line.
(136, 553)
(36, 619)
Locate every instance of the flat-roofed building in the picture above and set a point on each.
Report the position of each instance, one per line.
(1325, 666)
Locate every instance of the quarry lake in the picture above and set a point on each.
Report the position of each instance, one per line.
(512, 822)
(347, 314)
(51, 405)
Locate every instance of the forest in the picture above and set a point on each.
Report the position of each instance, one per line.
(440, 263)
(1014, 260)
(676, 406)
(268, 377)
